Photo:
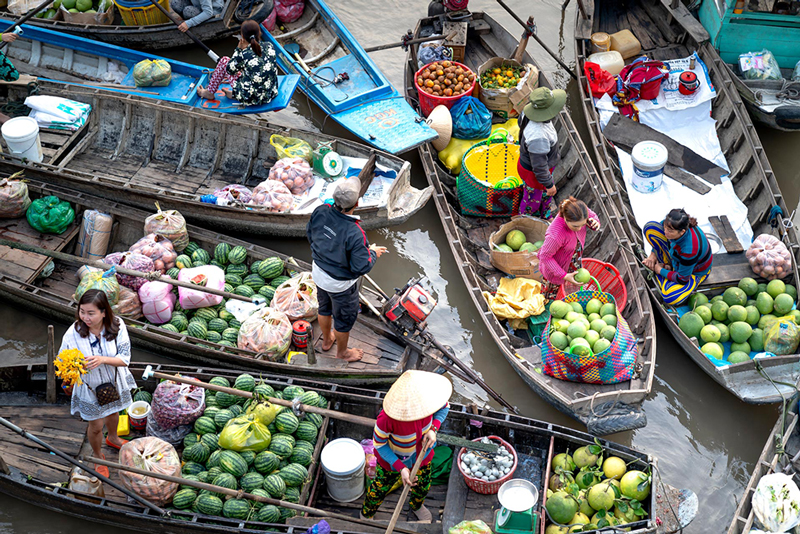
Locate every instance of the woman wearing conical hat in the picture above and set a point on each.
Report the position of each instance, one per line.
(413, 411)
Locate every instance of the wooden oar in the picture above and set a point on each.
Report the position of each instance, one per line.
(29, 15)
(70, 258)
(402, 500)
(333, 414)
(210, 53)
(11, 426)
(241, 494)
(408, 41)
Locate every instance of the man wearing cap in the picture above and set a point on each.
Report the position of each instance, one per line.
(341, 254)
(413, 411)
(538, 150)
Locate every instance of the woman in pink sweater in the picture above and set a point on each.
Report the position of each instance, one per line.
(561, 253)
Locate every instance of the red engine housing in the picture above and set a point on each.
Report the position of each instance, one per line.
(415, 301)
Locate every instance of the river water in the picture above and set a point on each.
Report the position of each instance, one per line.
(705, 439)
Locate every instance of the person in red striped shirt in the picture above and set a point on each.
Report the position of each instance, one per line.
(413, 411)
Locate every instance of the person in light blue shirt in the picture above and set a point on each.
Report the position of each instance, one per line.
(196, 12)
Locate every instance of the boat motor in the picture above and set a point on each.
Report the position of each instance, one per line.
(409, 307)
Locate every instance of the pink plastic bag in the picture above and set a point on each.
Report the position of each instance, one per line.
(273, 195)
(369, 449)
(158, 301)
(269, 23)
(295, 173)
(289, 10)
(209, 276)
(133, 261)
(159, 249)
(769, 257)
(233, 194)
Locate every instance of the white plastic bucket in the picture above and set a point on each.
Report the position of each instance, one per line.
(343, 462)
(649, 158)
(22, 138)
(138, 421)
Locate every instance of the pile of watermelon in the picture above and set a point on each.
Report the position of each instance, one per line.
(278, 472)
(215, 323)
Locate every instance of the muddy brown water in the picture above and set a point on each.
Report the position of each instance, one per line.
(705, 438)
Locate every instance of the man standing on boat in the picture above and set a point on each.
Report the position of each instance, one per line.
(341, 254)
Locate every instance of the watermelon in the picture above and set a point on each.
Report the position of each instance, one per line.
(228, 288)
(241, 270)
(237, 255)
(226, 399)
(281, 447)
(233, 279)
(302, 444)
(275, 486)
(197, 329)
(213, 460)
(231, 334)
(199, 320)
(210, 440)
(236, 409)
(232, 462)
(211, 402)
(287, 422)
(225, 315)
(192, 468)
(261, 492)
(217, 325)
(266, 462)
(196, 478)
(310, 397)
(286, 513)
(226, 480)
(285, 437)
(234, 323)
(302, 456)
(254, 281)
(221, 252)
(245, 291)
(184, 499)
(292, 495)
(314, 418)
(226, 343)
(173, 273)
(179, 320)
(202, 477)
(209, 504)
(205, 425)
(236, 509)
(169, 328)
(270, 268)
(322, 402)
(223, 416)
(264, 390)
(200, 257)
(251, 481)
(306, 431)
(294, 475)
(198, 452)
(142, 395)
(220, 381)
(214, 337)
(215, 263)
(267, 292)
(283, 464)
(249, 457)
(269, 514)
(254, 267)
(215, 471)
(183, 262)
(245, 382)
(191, 247)
(292, 392)
(206, 314)
(278, 280)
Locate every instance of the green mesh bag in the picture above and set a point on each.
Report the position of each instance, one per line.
(50, 215)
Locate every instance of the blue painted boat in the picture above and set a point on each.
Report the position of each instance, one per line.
(760, 25)
(363, 101)
(72, 59)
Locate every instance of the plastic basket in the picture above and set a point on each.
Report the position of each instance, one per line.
(537, 324)
(483, 166)
(607, 276)
(488, 488)
(428, 102)
(141, 12)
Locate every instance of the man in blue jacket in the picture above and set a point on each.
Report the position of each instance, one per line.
(341, 254)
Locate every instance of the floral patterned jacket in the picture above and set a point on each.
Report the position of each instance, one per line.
(258, 80)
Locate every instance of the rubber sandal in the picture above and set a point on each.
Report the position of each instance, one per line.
(101, 469)
(113, 446)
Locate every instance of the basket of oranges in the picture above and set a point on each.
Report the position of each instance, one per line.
(443, 82)
(499, 79)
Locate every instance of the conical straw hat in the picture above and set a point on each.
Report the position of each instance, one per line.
(416, 394)
(442, 123)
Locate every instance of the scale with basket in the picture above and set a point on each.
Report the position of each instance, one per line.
(518, 499)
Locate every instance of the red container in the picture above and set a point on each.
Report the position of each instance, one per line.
(428, 102)
(609, 278)
(481, 486)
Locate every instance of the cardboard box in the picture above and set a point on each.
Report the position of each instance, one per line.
(102, 19)
(524, 264)
(508, 103)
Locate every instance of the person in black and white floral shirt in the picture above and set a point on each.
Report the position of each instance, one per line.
(252, 70)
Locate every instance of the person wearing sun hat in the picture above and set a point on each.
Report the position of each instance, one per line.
(538, 150)
(413, 411)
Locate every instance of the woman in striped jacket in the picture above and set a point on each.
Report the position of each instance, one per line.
(681, 256)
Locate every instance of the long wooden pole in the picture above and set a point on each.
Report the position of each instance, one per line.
(410, 42)
(51, 366)
(29, 15)
(241, 494)
(406, 488)
(210, 53)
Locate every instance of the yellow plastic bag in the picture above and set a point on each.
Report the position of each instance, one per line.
(149, 73)
(516, 300)
(453, 153)
(291, 147)
(782, 337)
(245, 433)
(264, 412)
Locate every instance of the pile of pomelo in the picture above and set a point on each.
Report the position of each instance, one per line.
(517, 242)
(580, 328)
(82, 6)
(741, 315)
(587, 492)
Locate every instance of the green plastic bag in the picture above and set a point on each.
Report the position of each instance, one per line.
(245, 433)
(50, 215)
(104, 281)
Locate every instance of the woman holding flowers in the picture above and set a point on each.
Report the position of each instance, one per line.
(103, 340)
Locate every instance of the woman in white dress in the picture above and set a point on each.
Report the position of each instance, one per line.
(103, 340)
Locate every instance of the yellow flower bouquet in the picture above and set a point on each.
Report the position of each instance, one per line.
(70, 365)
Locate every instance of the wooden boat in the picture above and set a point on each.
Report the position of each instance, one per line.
(35, 476)
(761, 25)
(603, 408)
(676, 34)
(76, 60)
(138, 151)
(386, 355)
(339, 77)
(780, 455)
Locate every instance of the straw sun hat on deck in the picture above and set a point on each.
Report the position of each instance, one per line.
(416, 394)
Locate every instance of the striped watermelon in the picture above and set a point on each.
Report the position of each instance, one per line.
(264, 390)
(266, 462)
(226, 480)
(237, 255)
(234, 323)
(226, 343)
(221, 252)
(286, 513)
(267, 292)
(301, 456)
(269, 514)
(191, 247)
(231, 334)
(278, 280)
(309, 397)
(217, 325)
(225, 315)
(292, 392)
(202, 477)
(248, 457)
(169, 328)
(306, 431)
(254, 267)
(294, 475)
(245, 382)
(210, 440)
(192, 468)
(292, 495)
(209, 492)
(179, 321)
(215, 263)
(197, 329)
(200, 321)
(270, 268)
(254, 281)
(287, 422)
(283, 464)
(206, 314)
(184, 499)
(236, 409)
(196, 478)
(142, 395)
(272, 429)
(261, 492)
(241, 270)
(285, 437)
(233, 279)
(214, 337)
(314, 418)
(232, 462)
(228, 288)
(213, 460)
(281, 447)
(183, 262)
(215, 471)
(173, 273)
(236, 509)
(223, 416)
(245, 291)
(204, 425)
(307, 445)
(198, 452)
(251, 481)
(211, 407)
(200, 257)
(220, 381)
(226, 400)
(209, 504)
(275, 486)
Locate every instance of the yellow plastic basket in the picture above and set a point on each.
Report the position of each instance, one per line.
(492, 162)
(143, 16)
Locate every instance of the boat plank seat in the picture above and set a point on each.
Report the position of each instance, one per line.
(24, 265)
(724, 230)
(727, 269)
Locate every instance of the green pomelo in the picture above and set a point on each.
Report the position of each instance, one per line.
(594, 306)
(614, 467)
(733, 296)
(576, 307)
(796, 315)
(559, 308)
(83, 5)
(625, 517)
(762, 288)
(634, 485)
(594, 317)
(68, 4)
(775, 288)
(737, 313)
(597, 325)
(710, 333)
(538, 244)
(592, 337)
(740, 331)
(741, 347)
(580, 519)
(574, 342)
(713, 349)
(724, 332)
(74, 10)
(563, 461)
(691, 324)
(559, 340)
(791, 290)
(561, 325)
(572, 316)
(756, 340)
(583, 457)
(720, 310)
(581, 350)
(766, 321)
(587, 479)
(611, 320)
(601, 497)
(582, 276)
(527, 247)
(697, 299)
(561, 507)
(753, 315)
(609, 308)
(576, 329)
(749, 286)
(515, 239)
(583, 504)
(738, 357)
(608, 332)
(765, 303)
(750, 302)
(504, 248)
(555, 529)
(714, 299)
(783, 304)
(705, 313)
(600, 345)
